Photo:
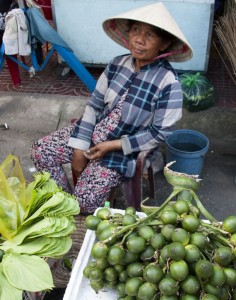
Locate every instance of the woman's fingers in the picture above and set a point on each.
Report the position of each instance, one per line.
(87, 154)
(94, 153)
(98, 151)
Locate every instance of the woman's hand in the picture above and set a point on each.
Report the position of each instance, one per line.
(79, 162)
(98, 151)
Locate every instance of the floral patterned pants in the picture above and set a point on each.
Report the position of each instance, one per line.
(93, 186)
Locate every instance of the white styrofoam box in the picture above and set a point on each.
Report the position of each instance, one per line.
(79, 287)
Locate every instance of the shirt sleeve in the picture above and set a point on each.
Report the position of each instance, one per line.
(167, 113)
(82, 133)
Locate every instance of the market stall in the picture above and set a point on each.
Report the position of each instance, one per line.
(176, 251)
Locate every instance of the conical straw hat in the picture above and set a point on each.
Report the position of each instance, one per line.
(156, 15)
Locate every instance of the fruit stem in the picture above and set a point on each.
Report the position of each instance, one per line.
(159, 209)
(145, 219)
(214, 228)
(203, 254)
(222, 240)
(125, 236)
(202, 209)
(185, 195)
(154, 223)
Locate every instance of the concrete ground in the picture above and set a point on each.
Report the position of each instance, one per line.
(30, 117)
(218, 187)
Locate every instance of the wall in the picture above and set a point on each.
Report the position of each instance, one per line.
(79, 22)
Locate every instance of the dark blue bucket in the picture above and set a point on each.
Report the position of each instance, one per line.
(188, 148)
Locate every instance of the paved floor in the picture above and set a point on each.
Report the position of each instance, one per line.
(49, 82)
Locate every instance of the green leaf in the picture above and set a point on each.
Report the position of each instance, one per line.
(38, 229)
(41, 179)
(54, 247)
(54, 201)
(27, 272)
(31, 246)
(7, 289)
(58, 247)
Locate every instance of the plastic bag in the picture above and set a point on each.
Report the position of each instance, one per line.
(12, 196)
(198, 92)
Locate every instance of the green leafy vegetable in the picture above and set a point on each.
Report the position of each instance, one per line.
(198, 92)
(36, 222)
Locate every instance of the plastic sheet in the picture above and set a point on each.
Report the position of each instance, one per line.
(198, 92)
(12, 196)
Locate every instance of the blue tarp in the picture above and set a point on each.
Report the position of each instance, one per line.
(41, 31)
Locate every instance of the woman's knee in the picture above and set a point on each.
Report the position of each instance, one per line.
(36, 151)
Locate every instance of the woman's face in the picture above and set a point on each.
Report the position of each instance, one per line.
(144, 43)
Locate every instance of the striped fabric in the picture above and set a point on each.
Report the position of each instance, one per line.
(152, 106)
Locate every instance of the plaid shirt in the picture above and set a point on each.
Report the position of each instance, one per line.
(151, 108)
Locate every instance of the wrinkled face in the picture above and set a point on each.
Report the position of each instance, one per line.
(144, 43)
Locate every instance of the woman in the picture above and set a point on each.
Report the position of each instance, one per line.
(134, 106)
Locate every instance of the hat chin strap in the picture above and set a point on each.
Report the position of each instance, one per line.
(182, 50)
(113, 26)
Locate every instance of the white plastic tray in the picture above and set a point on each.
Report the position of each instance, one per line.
(79, 287)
